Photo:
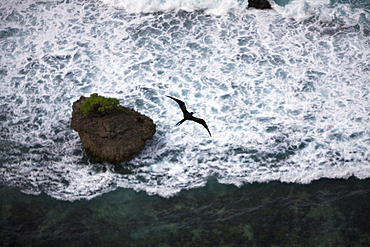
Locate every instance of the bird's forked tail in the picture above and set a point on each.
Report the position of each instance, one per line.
(180, 122)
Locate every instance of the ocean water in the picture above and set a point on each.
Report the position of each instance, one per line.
(285, 93)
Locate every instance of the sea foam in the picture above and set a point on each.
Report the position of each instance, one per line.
(216, 7)
(285, 95)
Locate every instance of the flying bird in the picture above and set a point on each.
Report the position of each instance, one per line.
(189, 115)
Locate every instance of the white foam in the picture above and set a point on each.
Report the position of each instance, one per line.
(216, 7)
(284, 100)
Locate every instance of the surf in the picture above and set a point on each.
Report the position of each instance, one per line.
(284, 93)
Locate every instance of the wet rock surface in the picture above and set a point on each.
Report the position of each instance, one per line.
(259, 4)
(114, 136)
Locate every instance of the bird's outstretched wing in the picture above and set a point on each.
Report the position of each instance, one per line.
(181, 104)
(202, 122)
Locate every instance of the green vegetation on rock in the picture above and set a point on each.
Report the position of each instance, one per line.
(100, 104)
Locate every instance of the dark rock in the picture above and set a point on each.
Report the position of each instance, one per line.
(259, 4)
(112, 137)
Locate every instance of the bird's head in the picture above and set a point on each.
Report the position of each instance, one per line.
(191, 113)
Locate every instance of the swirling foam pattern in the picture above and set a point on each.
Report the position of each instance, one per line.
(285, 93)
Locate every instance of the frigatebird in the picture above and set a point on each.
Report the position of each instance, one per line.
(189, 115)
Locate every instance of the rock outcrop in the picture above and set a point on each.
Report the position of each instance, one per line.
(259, 4)
(112, 137)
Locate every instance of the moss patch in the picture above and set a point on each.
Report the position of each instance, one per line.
(99, 104)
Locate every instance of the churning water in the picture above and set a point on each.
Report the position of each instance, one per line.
(285, 93)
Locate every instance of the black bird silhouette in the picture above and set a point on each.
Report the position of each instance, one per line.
(189, 115)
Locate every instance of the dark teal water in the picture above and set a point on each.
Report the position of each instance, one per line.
(328, 212)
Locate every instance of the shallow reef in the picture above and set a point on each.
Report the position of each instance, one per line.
(327, 212)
